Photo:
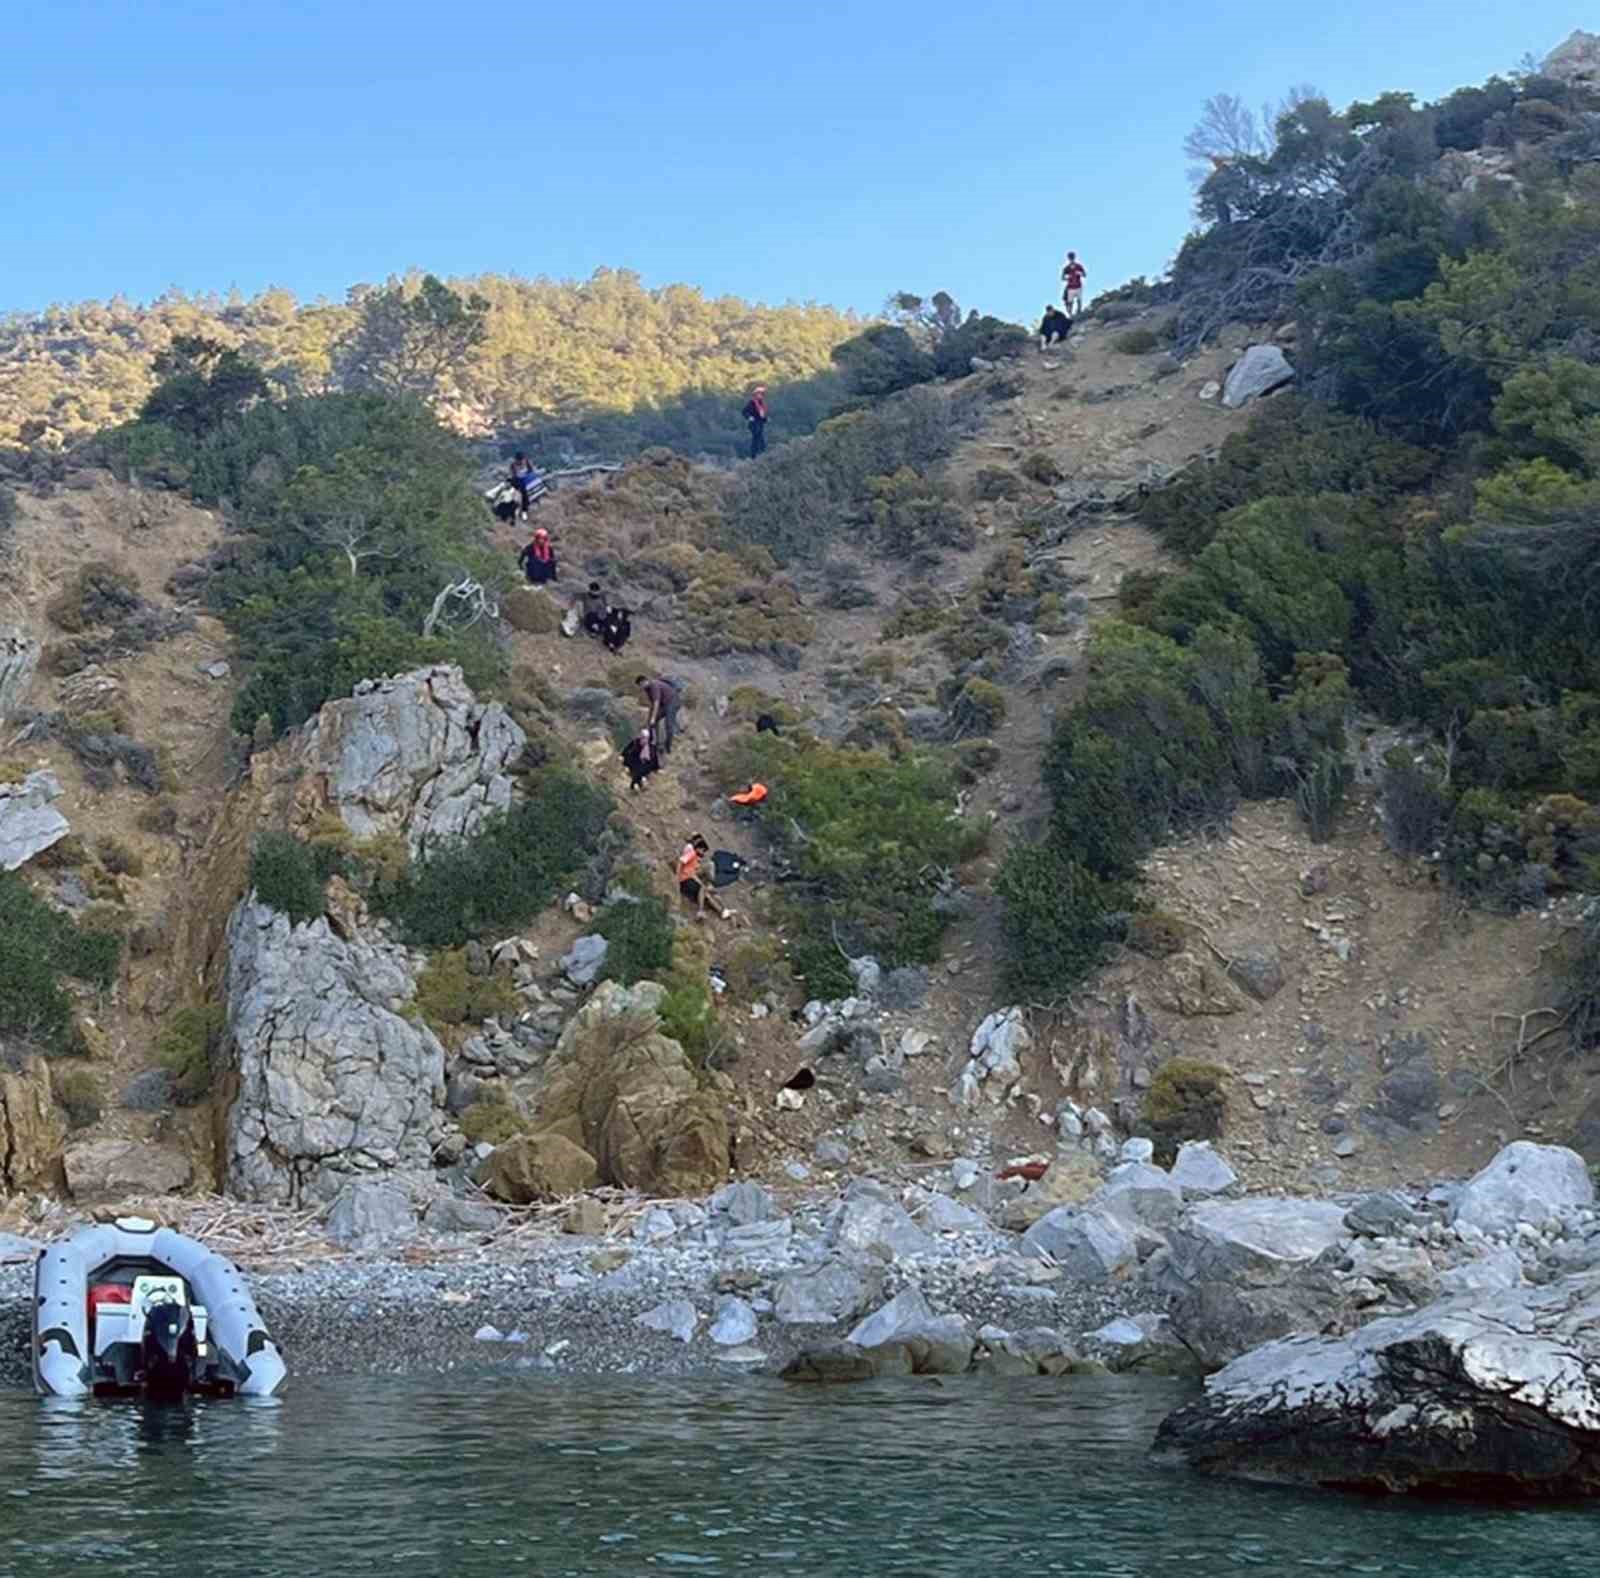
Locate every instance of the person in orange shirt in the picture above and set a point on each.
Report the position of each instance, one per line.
(692, 886)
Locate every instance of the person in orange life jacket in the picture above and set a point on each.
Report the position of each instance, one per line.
(538, 559)
(755, 413)
(522, 478)
(1072, 272)
(690, 883)
(662, 698)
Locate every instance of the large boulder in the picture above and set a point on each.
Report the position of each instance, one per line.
(29, 823)
(1258, 1241)
(333, 1080)
(837, 1290)
(415, 754)
(99, 1171)
(33, 1130)
(1142, 1195)
(1202, 1173)
(1260, 370)
(1525, 1183)
(19, 657)
(934, 1344)
(1090, 1245)
(1070, 1179)
(1473, 1395)
(1242, 1272)
(543, 1166)
(631, 1097)
(368, 1214)
(1147, 1344)
(872, 1221)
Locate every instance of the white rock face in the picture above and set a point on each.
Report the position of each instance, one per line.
(1202, 1173)
(334, 1082)
(19, 657)
(29, 823)
(1090, 1245)
(416, 754)
(1470, 1392)
(1576, 61)
(1525, 1183)
(1259, 371)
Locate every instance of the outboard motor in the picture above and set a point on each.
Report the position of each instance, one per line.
(169, 1354)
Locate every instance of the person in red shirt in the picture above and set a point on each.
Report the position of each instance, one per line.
(1073, 272)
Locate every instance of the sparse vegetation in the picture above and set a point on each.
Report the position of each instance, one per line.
(290, 876)
(448, 995)
(1185, 1101)
(506, 872)
(1136, 342)
(492, 1120)
(77, 1093)
(188, 1047)
(40, 948)
(639, 940)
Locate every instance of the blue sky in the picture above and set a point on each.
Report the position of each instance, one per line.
(830, 152)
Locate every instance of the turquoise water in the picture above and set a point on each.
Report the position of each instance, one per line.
(499, 1473)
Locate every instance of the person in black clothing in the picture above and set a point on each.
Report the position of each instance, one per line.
(595, 610)
(1055, 325)
(616, 630)
(640, 758)
(755, 413)
(538, 559)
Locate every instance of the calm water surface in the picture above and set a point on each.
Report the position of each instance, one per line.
(498, 1473)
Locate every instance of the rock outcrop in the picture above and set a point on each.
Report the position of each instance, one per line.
(1576, 61)
(1525, 1183)
(29, 823)
(333, 1081)
(1259, 371)
(19, 658)
(32, 1130)
(628, 1095)
(416, 755)
(545, 1166)
(110, 1169)
(1473, 1394)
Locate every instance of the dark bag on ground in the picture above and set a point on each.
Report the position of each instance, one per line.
(726, 867)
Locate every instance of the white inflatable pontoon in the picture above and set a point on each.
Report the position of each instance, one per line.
(130, 1309)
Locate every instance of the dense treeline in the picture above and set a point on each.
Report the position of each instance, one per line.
(552, 353)
(1415, 537)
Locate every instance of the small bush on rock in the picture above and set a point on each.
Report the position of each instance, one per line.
(1136, 342)
(77, 1093)
(38, 947)
(449, 995)
(1185, 1101)
(187, 1048)
(639, 940)
(492, 1120)
(290, 876)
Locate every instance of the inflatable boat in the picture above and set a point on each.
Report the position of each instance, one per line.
(129, 1309)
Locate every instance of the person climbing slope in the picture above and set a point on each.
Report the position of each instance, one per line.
(755, 413)
(525, 479)
(1072, 271)
(538, 559)
(662, 697)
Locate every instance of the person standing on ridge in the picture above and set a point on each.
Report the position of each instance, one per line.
(1072, 271)
(755, 413)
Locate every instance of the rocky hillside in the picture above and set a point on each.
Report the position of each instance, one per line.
(1361, 1017)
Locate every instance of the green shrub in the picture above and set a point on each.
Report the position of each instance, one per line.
(756, 968)
(975, 759)
(506, 872)
(39, 946)
(1136, 342)
(991, 339)
(1059, 920)
(996, 482)
(492, 1120)
(688, 1016)
(864, 835)
(979, 708)
(1043, 468)
(1185, 1102)
(77, 1093)
(639, 940)
(1156, 934)
(290, 876)
(531, 611)
(188, 1047)
(448, 994)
